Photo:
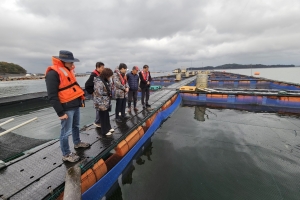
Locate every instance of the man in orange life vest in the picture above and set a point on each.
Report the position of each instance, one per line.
(66, 96)
(89, 87)
(145, 78)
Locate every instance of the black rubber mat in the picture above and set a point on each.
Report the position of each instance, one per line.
(10, 150)
(23, 107)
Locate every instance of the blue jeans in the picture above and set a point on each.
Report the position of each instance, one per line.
(67, 126)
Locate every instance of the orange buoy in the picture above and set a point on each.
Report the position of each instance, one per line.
(141, 131)
(88, 179)
(166, 105)
(100, 169)
(132, 138)
(150, 120)
(256, 73)
(173, 98)
(122, 148)
(61, 196)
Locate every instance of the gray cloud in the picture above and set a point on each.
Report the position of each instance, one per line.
(163, 34)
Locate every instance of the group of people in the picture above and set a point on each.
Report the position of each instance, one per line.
(66, 96)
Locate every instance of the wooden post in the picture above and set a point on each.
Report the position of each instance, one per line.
(73, 184)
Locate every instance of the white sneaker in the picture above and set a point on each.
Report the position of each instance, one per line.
(108, 133)
(112, 130)
(97, 125)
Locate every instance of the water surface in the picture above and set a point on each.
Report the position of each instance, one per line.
(218, 154)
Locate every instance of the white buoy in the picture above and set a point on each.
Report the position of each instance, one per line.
(18, 126)
(178, 77)
(201, 81)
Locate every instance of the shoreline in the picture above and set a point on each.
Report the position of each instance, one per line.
(24, 77)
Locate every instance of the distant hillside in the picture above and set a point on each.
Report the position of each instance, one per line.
(11, 68)
(238, 66)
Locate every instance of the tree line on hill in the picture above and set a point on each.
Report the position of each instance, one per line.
(238, 66)
(11, 68)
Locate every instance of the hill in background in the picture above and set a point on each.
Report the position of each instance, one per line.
(11, 68)
(238, 66)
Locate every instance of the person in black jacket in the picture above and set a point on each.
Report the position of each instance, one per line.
(133, 82)
(89, 87)
(66, 97)
(145, 77)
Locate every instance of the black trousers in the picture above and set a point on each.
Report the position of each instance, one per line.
(97, 120)
(145, 92)
(120, 107)
(132, 95)
(104, 121)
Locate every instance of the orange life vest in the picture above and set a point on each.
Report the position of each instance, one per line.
(123, 80)
(68, 89)
(145, 75)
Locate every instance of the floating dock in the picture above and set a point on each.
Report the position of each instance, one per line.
(40, 174)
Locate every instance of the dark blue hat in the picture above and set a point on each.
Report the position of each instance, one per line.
(66, 56)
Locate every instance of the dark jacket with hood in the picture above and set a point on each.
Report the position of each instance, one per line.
(89, 84)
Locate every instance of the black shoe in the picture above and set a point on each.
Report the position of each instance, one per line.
(125, 117)
(144, 106)
(118, 120)
(148, 106)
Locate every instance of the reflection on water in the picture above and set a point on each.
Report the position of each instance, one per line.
(127, 174)
(115, 192)
(231, 154)
(200, 113)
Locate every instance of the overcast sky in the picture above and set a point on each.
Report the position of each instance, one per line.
(165, 34)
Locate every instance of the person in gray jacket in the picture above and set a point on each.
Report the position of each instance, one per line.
(102, 99)
(121, 89)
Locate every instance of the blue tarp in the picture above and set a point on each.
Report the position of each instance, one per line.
(233, 99)
(99, 189)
